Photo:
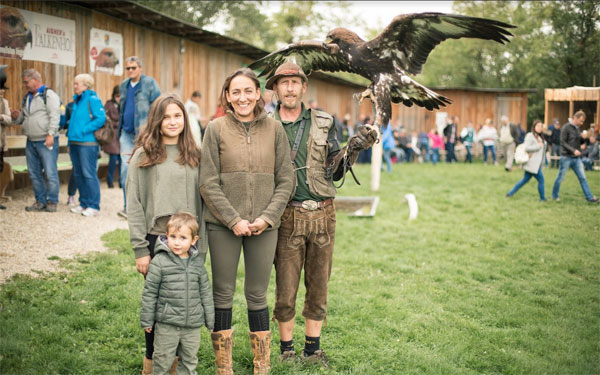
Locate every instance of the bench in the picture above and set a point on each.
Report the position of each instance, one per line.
(15, 163)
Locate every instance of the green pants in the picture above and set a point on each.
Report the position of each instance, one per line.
(166, 340)
(225, 249)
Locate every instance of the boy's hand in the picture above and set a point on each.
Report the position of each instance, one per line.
(258, 226)
(148, 330)
(141, 264)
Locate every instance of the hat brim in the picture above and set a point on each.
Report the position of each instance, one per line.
(271, 81)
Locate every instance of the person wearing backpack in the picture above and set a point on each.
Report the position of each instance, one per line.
(87, 117)
(40, 116)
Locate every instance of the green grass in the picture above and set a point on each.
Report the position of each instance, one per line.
(478, 284)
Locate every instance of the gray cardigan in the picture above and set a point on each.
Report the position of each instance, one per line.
(536, 154)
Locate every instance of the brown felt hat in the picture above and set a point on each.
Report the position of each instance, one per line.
(288, 69)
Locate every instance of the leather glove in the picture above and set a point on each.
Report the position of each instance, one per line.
(365, 137)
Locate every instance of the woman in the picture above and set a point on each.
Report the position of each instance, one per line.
(437, 143)
(488, 135)
(87, 117)
(113, 149)
(535, 145)
(162, 180)
(246, 181)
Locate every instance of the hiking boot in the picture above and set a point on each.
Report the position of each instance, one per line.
(50, 207)
(288, 356)
(90, 212)
(260, 341)
(317, 357)
(222, 342)
(594, 200)
(77, 210)
(36, 207)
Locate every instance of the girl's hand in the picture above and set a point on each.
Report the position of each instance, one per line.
(258, 226)
(241, 229)
(148, 330)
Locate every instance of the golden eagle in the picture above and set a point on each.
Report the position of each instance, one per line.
(401, 49)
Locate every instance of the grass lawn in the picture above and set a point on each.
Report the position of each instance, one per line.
(478, 284)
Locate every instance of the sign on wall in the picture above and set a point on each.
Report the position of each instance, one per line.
(35, 36)
(106, 52)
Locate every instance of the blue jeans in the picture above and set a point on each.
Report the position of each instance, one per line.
(435, 155)
(113, 160)
(492, 149)
(563, 166)
(126, 141)
(85, 169)
(387, 156)
(526, 177)
(425, 152)
(72, 187)
(469, 158)
(450, 156)
(40, 162)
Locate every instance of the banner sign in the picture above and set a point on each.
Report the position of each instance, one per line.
(106, 52)
(35, 36)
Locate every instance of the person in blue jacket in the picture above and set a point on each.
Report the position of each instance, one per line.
(87, 117)
(388, 145)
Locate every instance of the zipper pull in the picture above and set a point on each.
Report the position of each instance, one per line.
(248, 139)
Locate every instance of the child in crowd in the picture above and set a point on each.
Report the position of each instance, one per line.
(177, 299)
(162, 179)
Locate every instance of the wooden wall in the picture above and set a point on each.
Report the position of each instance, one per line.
(562, 103)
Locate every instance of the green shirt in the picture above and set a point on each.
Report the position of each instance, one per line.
(291, 129)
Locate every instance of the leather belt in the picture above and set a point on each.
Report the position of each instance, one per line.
(311, 205)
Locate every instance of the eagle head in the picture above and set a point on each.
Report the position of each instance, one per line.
(343, 38)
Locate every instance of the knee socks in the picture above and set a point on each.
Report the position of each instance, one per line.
(222, 319)
(258, 320)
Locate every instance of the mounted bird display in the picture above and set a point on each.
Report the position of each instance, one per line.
(401, 49)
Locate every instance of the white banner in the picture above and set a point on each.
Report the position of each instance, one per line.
(106, 52)
(35, 36)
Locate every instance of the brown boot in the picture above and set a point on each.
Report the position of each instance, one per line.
(223, 345)
(173, 369)
(147, 369)
(261, 347)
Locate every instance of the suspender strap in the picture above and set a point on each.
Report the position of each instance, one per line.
(298, 140)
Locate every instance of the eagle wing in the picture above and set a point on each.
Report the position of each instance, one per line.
(309, 54)
(410, 38)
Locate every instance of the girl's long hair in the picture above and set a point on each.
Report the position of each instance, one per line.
(247, 72)
(150, 138)
(536, 134)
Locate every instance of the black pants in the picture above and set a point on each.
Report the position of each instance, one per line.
(151, 238)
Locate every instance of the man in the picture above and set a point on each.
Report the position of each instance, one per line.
(450, 138)
(307, 231)
(570, 156)
(40, 115)
(137, 94)
(192, 106)
(554, 142)
(509, 136)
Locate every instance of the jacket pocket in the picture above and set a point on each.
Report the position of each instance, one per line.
(318, 152)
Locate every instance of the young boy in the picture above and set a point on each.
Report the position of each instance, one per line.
(177, 299)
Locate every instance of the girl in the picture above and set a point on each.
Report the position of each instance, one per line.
(246, 182)
(437, 142)
(162, 180)
(534, 143)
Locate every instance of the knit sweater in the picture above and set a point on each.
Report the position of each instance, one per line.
(157, 192)
(246, 173)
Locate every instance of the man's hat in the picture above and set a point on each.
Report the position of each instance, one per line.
(288, 69)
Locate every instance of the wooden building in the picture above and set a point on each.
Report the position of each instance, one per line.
(562, 103)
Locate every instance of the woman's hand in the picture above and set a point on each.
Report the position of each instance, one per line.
(141, 264)
(258, 226)
(241, 228)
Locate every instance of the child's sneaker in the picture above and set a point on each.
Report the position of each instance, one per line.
(77, 210)
(71, 201)
(90, 212)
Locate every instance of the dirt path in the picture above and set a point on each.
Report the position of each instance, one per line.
(28, 239)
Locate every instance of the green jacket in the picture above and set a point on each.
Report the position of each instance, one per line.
(175, 294)
(245, 173)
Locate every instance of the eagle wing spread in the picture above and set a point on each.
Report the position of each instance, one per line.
(309, 54)
(410, 38)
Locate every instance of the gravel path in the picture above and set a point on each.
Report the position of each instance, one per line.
(28, 239)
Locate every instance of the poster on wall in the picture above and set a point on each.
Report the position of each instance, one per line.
(106, 52)
(35, 36)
